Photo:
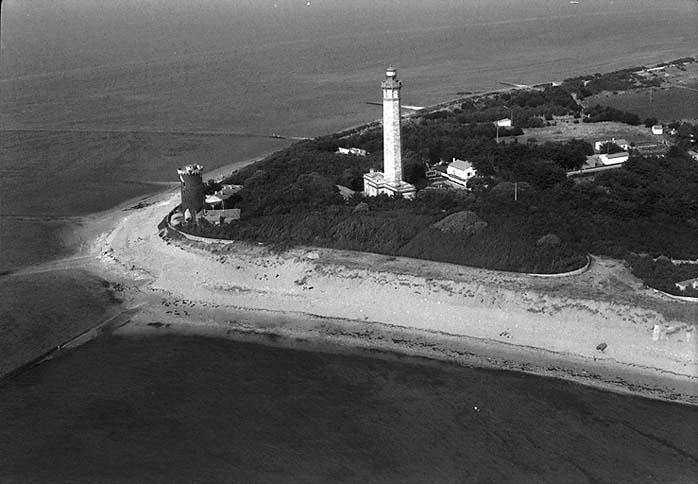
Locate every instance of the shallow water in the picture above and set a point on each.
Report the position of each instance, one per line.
(39, 311)
(188, 409)
(48, 179)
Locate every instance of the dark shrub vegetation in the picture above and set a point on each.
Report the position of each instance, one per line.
(663, 274)
(523, 213)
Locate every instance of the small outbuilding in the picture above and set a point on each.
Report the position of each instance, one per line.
(503, 123)
(614, 158)
(352, 151)
(657, 129)
(218, 217)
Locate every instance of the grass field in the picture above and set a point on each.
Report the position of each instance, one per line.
(676, 99)
(667, 103)
(565, 129)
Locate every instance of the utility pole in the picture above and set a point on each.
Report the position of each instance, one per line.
(516, 191)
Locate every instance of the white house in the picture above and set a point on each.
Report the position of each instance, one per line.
(657, 129)
(614, 158)
(503, 123)
(461, 169)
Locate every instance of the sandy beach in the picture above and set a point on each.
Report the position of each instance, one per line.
(328, 299)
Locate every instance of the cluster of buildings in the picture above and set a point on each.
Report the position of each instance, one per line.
(646, 148)
(453, 175)
(390, 181)
(196, 205)
(608, 158)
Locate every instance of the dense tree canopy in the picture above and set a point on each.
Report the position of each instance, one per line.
(521, 196)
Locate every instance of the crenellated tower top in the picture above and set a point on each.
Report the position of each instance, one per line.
(190, 170)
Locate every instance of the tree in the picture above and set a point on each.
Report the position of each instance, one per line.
(412, 167)
(609, 148)
(479, 183)
(211, 186)
(649, 122)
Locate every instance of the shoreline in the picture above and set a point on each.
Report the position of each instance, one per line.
(321, 299)
(314, 333)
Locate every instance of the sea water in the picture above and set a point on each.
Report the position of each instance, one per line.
(191, 409)
(101, 101)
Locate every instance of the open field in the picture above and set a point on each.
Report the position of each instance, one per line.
(667, 103)
(565, 129)
(675, 99)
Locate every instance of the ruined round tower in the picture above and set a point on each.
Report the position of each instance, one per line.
(192, 190)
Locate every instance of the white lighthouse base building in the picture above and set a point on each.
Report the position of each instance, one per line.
(376, 184)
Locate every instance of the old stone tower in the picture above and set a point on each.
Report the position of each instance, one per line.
(192, 190)
(390, 181)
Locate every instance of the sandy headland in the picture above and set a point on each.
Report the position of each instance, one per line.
(332, 300)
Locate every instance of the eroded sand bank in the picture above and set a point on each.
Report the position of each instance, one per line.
(473, 316)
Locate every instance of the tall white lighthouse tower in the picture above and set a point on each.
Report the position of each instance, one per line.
(390, 181)
(392, 143)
